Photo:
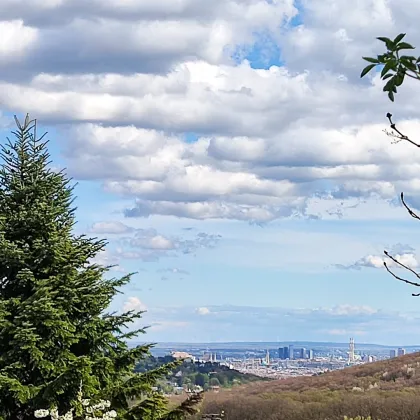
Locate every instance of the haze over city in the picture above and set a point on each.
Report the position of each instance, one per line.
(232, 156)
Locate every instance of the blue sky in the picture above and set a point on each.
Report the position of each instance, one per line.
(232, 157)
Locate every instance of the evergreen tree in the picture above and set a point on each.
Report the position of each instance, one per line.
(55, 335)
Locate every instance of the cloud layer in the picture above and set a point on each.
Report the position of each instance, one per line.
(165, 105)
(239, 323)
(149, 245)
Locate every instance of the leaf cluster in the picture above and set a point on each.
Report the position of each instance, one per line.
(395, 66)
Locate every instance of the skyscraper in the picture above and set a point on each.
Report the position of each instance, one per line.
(401, 351)
(291, 351)
(393, 353)
(351, 350)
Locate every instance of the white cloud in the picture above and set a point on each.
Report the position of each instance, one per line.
(81, 36)
(377, 261)
(134, 304)
(110, 228)
(203, 311)
(16, 39)
(270, 141)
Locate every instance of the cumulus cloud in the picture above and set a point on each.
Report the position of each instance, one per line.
(267, 144)
(133, 303)
(402, 253)
(203, 311)
(107, 258)
(88, 37)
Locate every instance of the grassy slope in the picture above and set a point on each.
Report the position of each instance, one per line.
(387, 390)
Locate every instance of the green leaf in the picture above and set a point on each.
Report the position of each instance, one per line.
(387, 76)
(367, 69)
(399, 79)
(404, 46)
(398, 38)
(391, 96)
(383, 39)
(389, 85)
(389, 44)
(410, 65)
(388, 66)
(371, 60)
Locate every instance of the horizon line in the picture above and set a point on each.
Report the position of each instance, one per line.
(280, 342)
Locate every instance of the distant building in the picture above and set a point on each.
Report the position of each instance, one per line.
(401, 351)
(393, 353)
(311, 354)
(281, 353)
(302, 353)
(182, 355)
(291, 351)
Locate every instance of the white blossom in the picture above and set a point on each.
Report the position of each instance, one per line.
(40, 414)
(91, 411)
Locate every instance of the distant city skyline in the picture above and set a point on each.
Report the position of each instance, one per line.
(232, 157)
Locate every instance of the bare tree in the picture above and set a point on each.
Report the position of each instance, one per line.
(395, 68)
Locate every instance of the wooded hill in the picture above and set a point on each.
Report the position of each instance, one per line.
(188, 374)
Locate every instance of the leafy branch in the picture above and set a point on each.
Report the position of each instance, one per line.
(395, 66)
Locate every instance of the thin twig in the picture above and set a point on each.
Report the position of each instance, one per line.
(410, 212)
(402, 265)
(402, 279)
(399, 136)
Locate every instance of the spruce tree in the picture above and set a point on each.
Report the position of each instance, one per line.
(56, 337)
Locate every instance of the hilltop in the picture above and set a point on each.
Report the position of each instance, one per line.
(195, 375)
(386, 390)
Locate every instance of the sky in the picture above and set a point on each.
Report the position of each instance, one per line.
(232, 156)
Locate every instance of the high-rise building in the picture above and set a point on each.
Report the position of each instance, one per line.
(291, 351)
(310, 354)
(302, 353)
(393, 353)
(351, 350)
(401, 351)
(283, 353)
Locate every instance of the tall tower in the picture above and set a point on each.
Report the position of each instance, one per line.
(267, 358)
(351, 350)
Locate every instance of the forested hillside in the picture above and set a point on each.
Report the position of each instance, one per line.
(205, 375)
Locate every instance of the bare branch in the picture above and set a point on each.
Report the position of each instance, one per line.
(402, 266)
(410, 212)
(402, 279)
(397, 134)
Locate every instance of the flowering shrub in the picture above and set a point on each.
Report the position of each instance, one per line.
(91, 412)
